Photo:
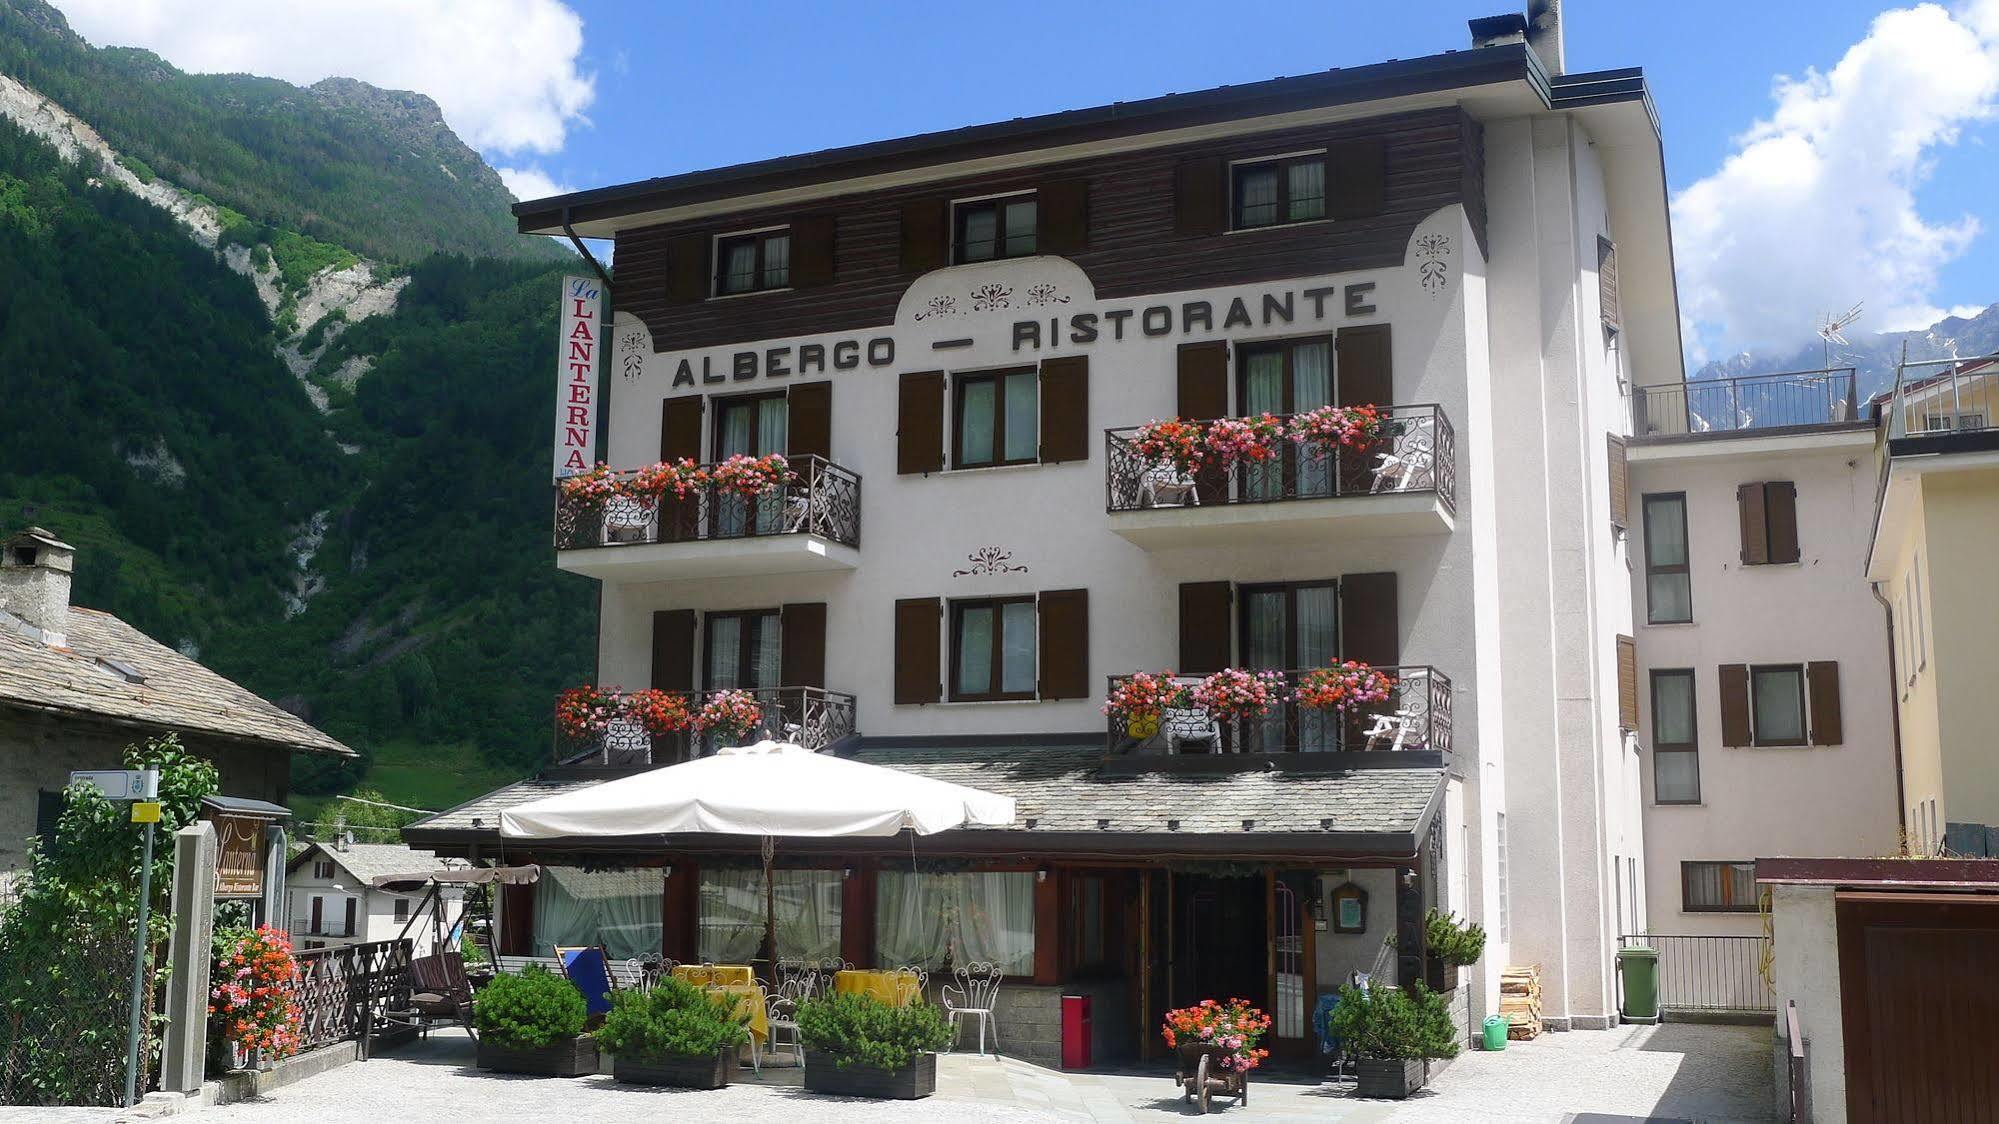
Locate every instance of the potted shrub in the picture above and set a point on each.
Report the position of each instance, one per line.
(533, 1023)
(1392, 1034)
(1452, 944)
(676, 1034)
(858, 1046)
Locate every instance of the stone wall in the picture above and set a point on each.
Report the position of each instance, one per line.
(1029, 1021)
(38, 751)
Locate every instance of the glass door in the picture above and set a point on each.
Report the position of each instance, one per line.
(1287, 628)
(749, 426)
(744, 653)
(1287, 378)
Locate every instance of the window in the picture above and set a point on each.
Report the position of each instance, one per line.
(1286, 378)
(1285, 190)
(1777, 704)
(1286, 627)
(992, 649)
(1769, 513)
(985, 229)
(927, 920)
(743, 650)
(1090, 950)
(1669, 594)
(48, 812)
(322, 869)
(752, 263)
(1718, 887)
(1676, 770)
(998, 419)
(402, 909)
(1503, 874)
(751, 425)
(1939, 423)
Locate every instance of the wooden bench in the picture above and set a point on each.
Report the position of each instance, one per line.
(514, 965)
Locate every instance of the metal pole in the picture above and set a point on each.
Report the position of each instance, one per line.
(139, 953)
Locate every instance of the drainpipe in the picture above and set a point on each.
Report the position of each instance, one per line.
(1894, 713)
(585, 251)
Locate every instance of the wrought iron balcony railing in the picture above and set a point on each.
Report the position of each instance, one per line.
(1415, 451)
(1416, 715)
(1780, 401)
(822, 499)
(809, 716)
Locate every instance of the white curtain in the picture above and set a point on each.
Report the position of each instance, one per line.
(732, 915)
(910, 925)
(617, 909)
(927, 920)
(808, 913)
(1311, 388)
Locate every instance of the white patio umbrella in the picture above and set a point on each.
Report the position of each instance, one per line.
(767, 789)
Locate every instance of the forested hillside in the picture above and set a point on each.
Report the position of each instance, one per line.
(378, 561)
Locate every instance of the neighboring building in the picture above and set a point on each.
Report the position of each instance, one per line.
(1935, 535)
(1762, 700)
(77, 686)
(333, 902)
(972, 323)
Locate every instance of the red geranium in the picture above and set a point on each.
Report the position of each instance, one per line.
(252, 998)
(1233, 1029)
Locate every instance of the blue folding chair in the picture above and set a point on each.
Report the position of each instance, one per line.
(590, 971)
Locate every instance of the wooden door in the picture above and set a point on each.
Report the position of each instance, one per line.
(1919, 996)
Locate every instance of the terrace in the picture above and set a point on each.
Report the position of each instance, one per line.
(1760, 405)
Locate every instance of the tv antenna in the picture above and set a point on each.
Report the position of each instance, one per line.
(1832, 326)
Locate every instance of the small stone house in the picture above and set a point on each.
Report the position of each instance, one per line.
(330, 894)
(78, 685)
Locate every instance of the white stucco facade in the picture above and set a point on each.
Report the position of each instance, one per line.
(321, 875)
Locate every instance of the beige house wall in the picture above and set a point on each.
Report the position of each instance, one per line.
(1961, 531)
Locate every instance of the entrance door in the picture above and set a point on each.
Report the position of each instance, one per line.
(752, 426)
(1221, 945)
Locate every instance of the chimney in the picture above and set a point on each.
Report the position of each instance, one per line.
(1544, 33)
(1493, 31)
(35, 569)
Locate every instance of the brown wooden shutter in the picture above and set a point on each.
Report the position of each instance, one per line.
(1627, 683)
(919, 422)
(673, 650)
(919, 677)
(687, 268)
(812, 251)
(1065, 409)
(1363, 366)
(1356, 179)
(680, 907)
(1780, 510)
(926, 235)
(1619, 465)
(1065, 644)
(318, 923)
(1200, 196)
(1370, 625)
(1735, 704)
(1822, 688)
(680, 428)
(1204, 626)
(802, 644)
(1204, 380)
(1606, 282)
(349, 931)
(809, 420)
(1755, 524)
(1062, 217)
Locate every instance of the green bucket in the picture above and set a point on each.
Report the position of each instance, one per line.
(1495, 1032)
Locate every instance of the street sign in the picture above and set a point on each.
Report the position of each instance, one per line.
(120, 784)
(145, 811)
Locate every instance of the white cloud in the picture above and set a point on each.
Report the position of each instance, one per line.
(505, 72)
(531, 182)
(1816, 207)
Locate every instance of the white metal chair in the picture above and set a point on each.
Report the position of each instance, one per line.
(976, 993)
(1163, 485)
(781, 1012)
(1412, 464)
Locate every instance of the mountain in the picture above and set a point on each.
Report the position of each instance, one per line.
(1872, 355)
(293, 430)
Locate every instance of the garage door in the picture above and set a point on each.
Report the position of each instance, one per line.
(1919, 996)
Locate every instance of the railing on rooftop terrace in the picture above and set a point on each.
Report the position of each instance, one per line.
(1751, 402)
(1938, 396)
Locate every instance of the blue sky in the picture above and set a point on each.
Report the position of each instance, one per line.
(1869, 182)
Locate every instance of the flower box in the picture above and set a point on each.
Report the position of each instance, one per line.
(678, 1070)
(1439, 974)
(912, 1082)
(1394, 1078)
(564, 1057)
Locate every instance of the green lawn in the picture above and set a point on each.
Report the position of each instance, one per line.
(419, 775)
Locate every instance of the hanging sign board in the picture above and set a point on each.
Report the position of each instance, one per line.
(239, 854)
(581, 329)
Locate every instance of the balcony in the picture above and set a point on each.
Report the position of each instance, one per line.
(1411, 726)
(1402, 481)
(1943, 406)
(1789, 402)
(812, 522)
(809, 716)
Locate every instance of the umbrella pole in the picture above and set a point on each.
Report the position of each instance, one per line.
(770, 905)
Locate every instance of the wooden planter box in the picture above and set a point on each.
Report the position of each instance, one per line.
(567, 1057)
(912, 1082)
(682, 1072)
(1439, 975)
(1394, 1078)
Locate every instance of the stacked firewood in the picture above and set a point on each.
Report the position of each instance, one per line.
(1520, 1001)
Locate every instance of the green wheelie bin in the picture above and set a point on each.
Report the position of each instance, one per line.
(1639, 969)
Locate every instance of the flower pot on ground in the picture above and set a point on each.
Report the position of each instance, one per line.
(676, 1034)
(1392, 1034)
(858, 1046)
(533, 1023)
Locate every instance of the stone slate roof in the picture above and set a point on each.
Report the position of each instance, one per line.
(176, 693)
(366, 861)
(1063, 789)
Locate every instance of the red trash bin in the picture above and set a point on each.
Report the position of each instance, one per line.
(1075, 1032)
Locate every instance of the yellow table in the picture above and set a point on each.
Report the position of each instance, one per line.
(750, 1001)
(702, 975)
(897, 989)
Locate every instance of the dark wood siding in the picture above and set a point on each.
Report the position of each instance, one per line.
(1735, 704)
(1370, 620)
(919, 422)
(1065, 644)
(1822, 690)
(919, 676)
(1136, 244)
(802, 645)
(809, 420)
(1204, 627)
(1065, 409)
(673, 650)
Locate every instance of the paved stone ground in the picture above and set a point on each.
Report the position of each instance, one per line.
(1671, 1072)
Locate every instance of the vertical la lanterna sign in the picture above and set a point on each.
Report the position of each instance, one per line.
(577, 364)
